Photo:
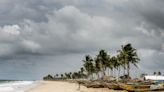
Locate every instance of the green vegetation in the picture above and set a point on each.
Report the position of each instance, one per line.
(48, 77)
(103, 63)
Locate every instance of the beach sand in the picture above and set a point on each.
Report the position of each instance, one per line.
(58, 86)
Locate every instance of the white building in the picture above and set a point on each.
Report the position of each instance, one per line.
(154, 77)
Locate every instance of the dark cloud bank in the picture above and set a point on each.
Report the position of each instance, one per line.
(38, 37)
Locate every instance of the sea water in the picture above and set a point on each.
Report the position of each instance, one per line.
(16, 86)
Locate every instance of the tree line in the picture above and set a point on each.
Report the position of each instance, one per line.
(104, 64)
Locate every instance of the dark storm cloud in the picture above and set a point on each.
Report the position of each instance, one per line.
(153, 13)
(47, 33)
(16, 11)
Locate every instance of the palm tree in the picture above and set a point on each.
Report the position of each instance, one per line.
(132, 56)
(88, 65)
(57, 75)
(159, 73)
(79, 74)
(82, 72)
(70, 73)
(48, 77)
(119, 65)
(62, 76)
(128, 56)
(122, 57)
(97, 66)
(114, 63)
(102, 60)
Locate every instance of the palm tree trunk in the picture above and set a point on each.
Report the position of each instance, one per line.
(111, 72)
(98, 76)
(88, 76)
(124, 70)
(104, 72)
(128, 70)
(92, 76)
(118, 73)
(114, 72)
(108, 72)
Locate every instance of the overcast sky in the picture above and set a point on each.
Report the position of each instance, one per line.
(38, 37)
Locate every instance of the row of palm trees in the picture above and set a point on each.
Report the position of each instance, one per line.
(70, 75)
(125, 57)
(104, 62)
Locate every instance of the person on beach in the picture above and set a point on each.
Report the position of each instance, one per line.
(79, 85)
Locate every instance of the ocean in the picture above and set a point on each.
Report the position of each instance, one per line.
(16, 86)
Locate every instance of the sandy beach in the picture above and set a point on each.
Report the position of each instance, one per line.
(56, 86)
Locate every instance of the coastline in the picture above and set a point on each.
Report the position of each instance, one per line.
(16, 86)
(61, 86)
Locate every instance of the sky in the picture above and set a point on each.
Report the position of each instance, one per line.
(40, 37)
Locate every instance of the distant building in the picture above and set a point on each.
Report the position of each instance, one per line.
(154, 77)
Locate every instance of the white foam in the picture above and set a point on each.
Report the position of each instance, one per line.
(16, 86)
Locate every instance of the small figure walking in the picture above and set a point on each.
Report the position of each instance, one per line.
(78, 85)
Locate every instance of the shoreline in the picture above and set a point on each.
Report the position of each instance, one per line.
(61, 86)
(34, 86)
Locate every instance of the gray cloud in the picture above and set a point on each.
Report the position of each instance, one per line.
(53, 36)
